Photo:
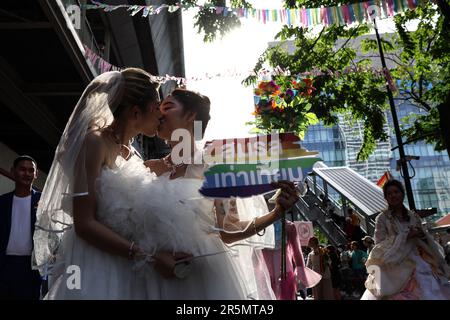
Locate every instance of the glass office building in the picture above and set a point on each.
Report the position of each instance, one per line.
(431, 173)
(338, 146)
(328, 141)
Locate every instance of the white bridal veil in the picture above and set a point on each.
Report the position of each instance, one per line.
(67, 176)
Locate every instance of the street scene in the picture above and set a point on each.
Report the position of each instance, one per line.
(225, 150)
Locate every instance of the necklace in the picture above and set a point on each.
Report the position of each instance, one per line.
(121, 145)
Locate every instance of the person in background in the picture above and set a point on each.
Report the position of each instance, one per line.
(447, 247)
(357, 232)
(358, 259)
(346, 271)
(335, 271)
(408, 261)
(17, 218)
(348, 225)
(319, 261)
(369, 243)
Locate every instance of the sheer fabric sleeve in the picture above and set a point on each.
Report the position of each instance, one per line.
(380, 229)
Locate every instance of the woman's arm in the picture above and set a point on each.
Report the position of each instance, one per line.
(286, 200)
(234, 224)
(85, 207)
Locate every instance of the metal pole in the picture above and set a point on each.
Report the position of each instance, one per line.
(404, 165)
(283, 246)
(444, 114)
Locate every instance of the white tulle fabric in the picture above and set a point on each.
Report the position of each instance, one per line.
(159, 214)
(248, 253)
(67, 176)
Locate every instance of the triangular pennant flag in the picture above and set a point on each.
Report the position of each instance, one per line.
(346, 14)
(412, 4)
(323, 14)
(340, 15)
(335, 15)
(135, 9)
(174, 8)
(351, 14)
(146, 12)
(160, 8)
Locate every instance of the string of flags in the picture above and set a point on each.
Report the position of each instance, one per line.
(104, 66)
(307, 17)
(98, 62)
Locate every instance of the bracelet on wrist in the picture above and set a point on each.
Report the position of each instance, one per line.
(131, 252)
(263, 231)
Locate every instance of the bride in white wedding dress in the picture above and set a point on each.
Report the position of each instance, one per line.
(108, 228)
(72, 237)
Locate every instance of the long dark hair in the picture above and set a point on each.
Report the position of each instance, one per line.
(399, 186)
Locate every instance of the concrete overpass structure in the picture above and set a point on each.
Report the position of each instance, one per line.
(43, 68)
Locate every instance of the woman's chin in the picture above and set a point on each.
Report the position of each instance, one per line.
(396, 204)
(163, 134)
(150, 134)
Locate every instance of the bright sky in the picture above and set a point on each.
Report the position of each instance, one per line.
(237, 52)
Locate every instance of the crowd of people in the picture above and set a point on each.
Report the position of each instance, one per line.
(342, 268)
(139, 230)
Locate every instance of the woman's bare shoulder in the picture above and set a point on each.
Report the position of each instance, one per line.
(97, 144)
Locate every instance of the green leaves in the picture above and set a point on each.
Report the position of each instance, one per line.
(211, 24)
(419, 63)
(339, 89)
(424, 127)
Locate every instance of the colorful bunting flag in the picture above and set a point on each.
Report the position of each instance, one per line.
(344, 14)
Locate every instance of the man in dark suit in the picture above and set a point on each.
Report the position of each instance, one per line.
(17, 219)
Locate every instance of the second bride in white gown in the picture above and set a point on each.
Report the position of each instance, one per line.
(180, 220)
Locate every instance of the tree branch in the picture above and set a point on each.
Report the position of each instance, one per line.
(417, 99)
(348, 39)
(317, 39)
(353, 61)
(387, 58)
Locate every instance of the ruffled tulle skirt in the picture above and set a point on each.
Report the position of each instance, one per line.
(89, 273)
(157, 214)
